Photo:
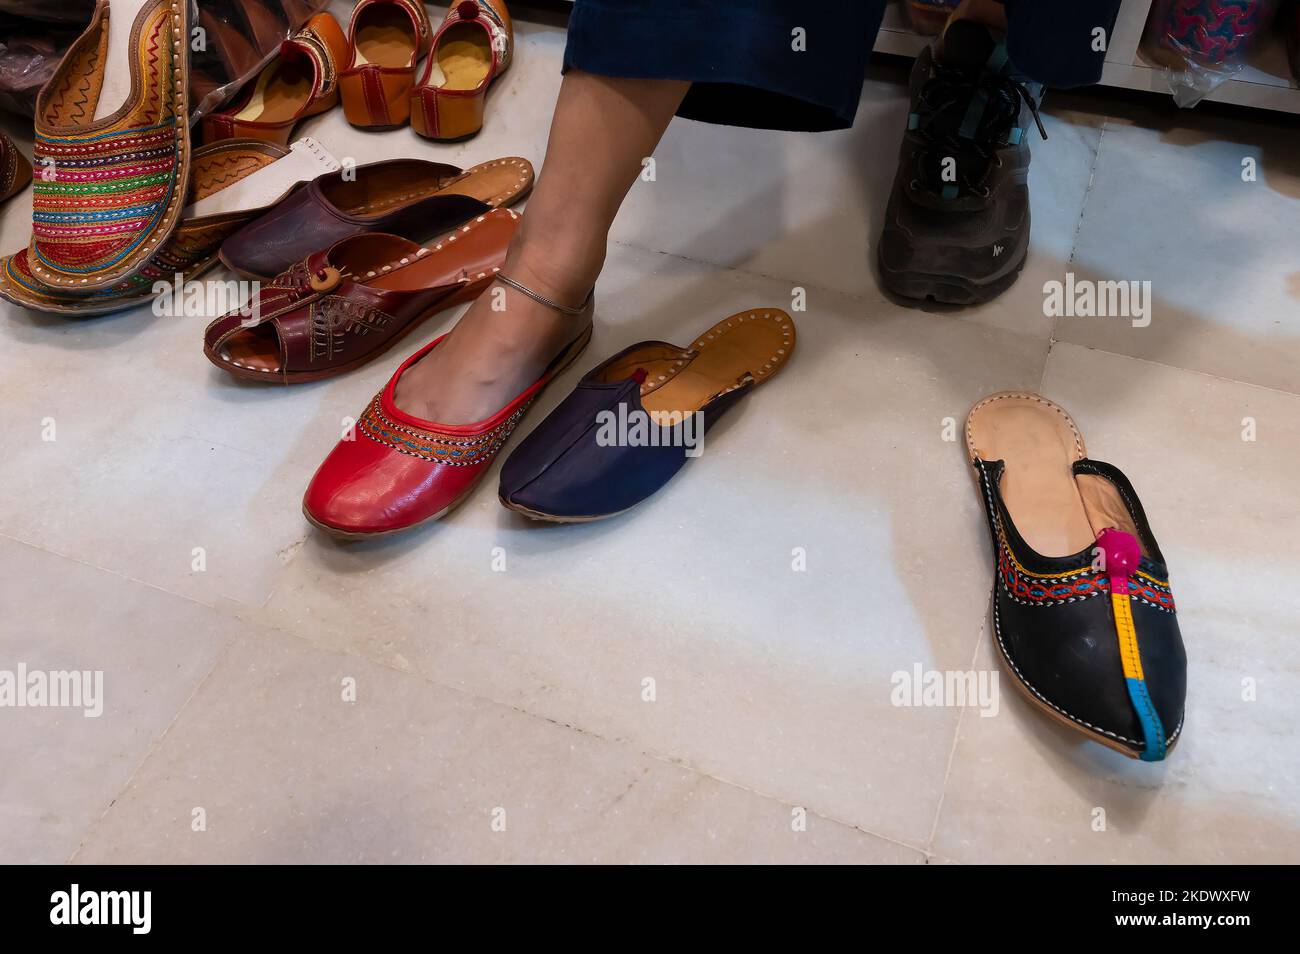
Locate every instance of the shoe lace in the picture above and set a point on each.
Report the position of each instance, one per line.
(944, 113)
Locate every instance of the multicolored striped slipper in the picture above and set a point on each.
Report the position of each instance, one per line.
(225, 193)
(112, 146)
(1083, 616)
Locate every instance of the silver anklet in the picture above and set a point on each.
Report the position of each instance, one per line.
(542, 299)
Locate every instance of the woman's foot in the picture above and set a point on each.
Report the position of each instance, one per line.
(492, 355)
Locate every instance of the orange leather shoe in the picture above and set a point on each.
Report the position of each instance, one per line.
(386, 40)
(395, 471)
(472, 48)
(301, 81)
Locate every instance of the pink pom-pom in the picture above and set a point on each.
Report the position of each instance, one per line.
(1122, 553)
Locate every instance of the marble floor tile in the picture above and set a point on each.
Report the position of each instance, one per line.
(64, 765)
(270, 763)
(1169, 206)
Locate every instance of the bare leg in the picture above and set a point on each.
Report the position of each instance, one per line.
(601, 131)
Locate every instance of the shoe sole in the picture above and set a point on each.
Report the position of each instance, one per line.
(946, 289)
(338, 534)
(556, 518)
(111, 307)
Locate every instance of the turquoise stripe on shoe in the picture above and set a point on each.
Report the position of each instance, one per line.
(1153, 733)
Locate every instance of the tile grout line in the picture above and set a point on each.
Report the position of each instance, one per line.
(915, 312)
(157, 741)
(956, 738)
(111, 572)
(153, 748)
(589, 733)
(704, 262)
(1088, 190)
(1078, 228)
(1173, 367)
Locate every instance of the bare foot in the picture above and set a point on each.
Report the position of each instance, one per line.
(491, 356)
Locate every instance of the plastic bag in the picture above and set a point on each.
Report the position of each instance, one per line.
(1203, 43)
(230, 41)
(76, 12)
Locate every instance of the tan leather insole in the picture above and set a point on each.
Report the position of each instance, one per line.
(757, 343)
(257, 347)
(385, 38)
(492, 183)
(1039, 443)
(464, 56)
(495, 182)
(281, 92)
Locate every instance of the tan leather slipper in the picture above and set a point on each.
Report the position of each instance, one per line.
(473, 46)
(386, 38)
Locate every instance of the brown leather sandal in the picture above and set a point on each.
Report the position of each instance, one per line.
(386, 39)
(350, 303)
(413, 198)
(15, 170)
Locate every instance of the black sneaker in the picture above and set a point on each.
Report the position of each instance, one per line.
(957, 226)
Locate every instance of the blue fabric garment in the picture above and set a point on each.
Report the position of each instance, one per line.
(740, 55)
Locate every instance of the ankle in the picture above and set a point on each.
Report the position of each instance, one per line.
(558, 271)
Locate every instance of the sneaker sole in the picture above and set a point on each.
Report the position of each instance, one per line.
(946, 289)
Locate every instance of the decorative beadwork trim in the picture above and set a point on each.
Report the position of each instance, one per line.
(1036, 589)
(9, 170)
(453, 450)
(1028, 588)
